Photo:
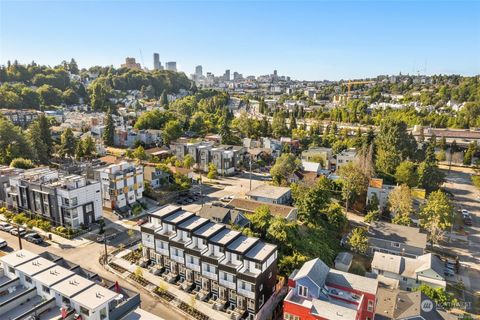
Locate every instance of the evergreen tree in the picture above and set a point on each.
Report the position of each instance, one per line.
(293, 122)
(164, 100)
(109, 133)
(45, 133)
(39, 148)
(67, 144)
(88, 147)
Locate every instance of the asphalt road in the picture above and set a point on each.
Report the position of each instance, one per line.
(87, 257)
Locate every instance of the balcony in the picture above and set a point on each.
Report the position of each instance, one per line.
(210, 275)
(246, 293)
(193, 266)
(178, 259)
(227, 284)
(164, 252)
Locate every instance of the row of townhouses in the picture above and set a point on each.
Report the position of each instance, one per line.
(46, 286)
(237, 272)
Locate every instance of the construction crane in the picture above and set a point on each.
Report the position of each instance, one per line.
(350, 83)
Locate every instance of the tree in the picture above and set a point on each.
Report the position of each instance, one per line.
(312, 201)
(336, 217)
(358, 241)
(402, 219)
(354, 183)
(406, 173)
(430, 177)
(439, 296)
(279, 124)
(73, 67)
(67, 143)
(13, 143)
(279, 229)
(154, 119)
(284, 166)
(172, 131)
(372, 215)
(98, 96)
(79, 152)
(212, 171)
(88, 146)
(164, 100)
(49, 95)
(437, 215)
(140, 153)
(471, 150)
(188, 161)
(400, 201)
(22, 163)
(260, 219)
(109, 132)
(38, 146)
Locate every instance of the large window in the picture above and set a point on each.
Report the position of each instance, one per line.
(370, 306)
(303, 291)
(288, 316)
(84, 311)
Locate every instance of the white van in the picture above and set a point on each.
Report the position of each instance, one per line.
(3, 243)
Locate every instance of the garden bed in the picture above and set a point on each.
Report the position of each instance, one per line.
(164, 294)
(192, 311)
(139, 279)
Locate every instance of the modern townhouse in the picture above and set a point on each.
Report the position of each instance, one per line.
(40, 286)
(66, 200)
(409, 273)
(396, 239)
(20, 117)
(318, 292)
(237, 272)
(122, 184)
(6, 173)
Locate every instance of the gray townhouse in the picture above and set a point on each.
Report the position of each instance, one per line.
(236, 272)
(396, 239)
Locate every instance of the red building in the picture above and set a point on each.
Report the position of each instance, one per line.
(317, 292)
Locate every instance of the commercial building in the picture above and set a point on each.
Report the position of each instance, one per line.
(409, 273)
(237, 272)
(122, 184)
(198, 72)
(271, 194)
(318, 292)
(48, 287)
(67, 200)
(157, 65)
(171, 65)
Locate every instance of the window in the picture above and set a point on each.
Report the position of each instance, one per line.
(288, 316)
(261, 287)
(89, 208)
(404, 279)
(396, 244)
(11, 270)
(370, 306)
(221, 249)
(270, 275)
(28, 279)
(65, 300)
(84, 311)
(303, 291)
(251, 304)
(258, 266)
(46, 289)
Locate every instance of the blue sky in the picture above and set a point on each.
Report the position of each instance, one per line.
(312, 40)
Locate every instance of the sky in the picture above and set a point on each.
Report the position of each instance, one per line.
(312, 40)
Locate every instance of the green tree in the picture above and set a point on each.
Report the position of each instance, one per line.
(38, 145)
(260, 219)
(279, 124)
(400, 201)
(354, 182)
(358, 241)
(284, 166)
(49, 95)
(154, 119)
(439, 296)
(312, 201)
(140, 153)
(98, 96)
(188, 161)
(172, 131)
(437, 215)
(109, 132)
(471, 150)
(212, 171)
(88, 146)
(79, 152)
(406, 173)
(402, 219)
(336, 217)
(68, 144)
(430, 177)
(164, 100)
(13, 143)
(372, 215)
(22, 163)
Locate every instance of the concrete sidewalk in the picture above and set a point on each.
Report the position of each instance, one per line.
(185, 297)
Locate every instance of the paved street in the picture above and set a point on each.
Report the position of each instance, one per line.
(467, 197)
(87, 257)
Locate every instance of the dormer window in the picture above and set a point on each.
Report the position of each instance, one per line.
(303, 291)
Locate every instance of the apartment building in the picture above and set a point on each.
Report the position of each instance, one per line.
(226, 158)
(20, 117)
(48, 287)
(237, 272)
(6, 173)
(122, 184)
(318, 292)
(67, 200)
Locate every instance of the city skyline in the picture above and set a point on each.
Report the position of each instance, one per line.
(310, 41)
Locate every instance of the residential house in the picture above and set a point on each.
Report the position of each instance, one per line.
(396, 239)
(155, 176)
(410, 272)
(235, 271)
(223, 215)
(320, 155)
(344, 157)
(318, 292)
(246, 206)
(66, 200)
(122, 184)
(22, 117)
(377, 189)
(271, 194)
(34, 286)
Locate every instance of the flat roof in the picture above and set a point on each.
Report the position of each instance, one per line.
(178, 217)
(53, 275)
(242, 244)
(94, 297)
(165, 211)
(261, 251)
(16, 258)
(208, 230)
(268, 191)
(192, 223)
(73, 285)
(140, 314)
(35, 266)
(225, 236)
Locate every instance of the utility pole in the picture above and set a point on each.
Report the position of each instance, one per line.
(105, 244)
(19, 238)
(250, 172)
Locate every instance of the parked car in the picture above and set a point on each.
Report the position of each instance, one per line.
(33, 237)
(467, 221)
(449, 272)
(226, 199)
(16, 231)
(3, 243)
(4, 225)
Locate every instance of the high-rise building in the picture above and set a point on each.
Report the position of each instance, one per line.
(131, 63)
(157, 65)
(198, 71)
(171, 65)
(226, 75)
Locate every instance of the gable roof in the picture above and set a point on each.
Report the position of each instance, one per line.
(353, 281)
(402, 234)
(314, 269)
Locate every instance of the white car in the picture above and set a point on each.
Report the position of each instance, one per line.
(3, 243)
(226, 199)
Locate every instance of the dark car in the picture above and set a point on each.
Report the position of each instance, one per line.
(33, 237)
(467, 221)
